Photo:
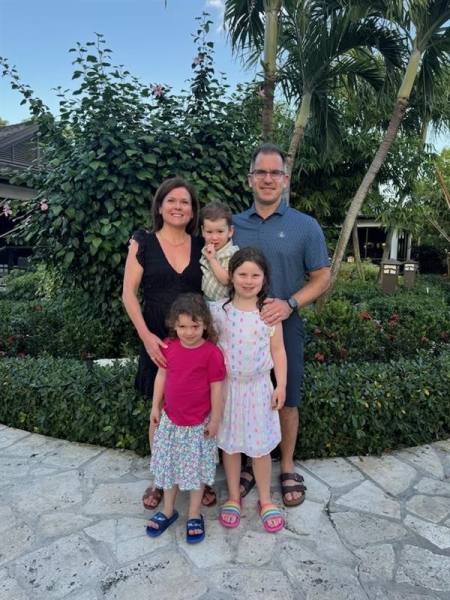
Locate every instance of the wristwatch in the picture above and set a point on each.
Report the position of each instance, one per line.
(293, 303)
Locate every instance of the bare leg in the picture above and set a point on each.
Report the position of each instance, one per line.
(195, 501)
(151, 497)
(232, 466)
(262, 468)
(169, 505)
(289, 429)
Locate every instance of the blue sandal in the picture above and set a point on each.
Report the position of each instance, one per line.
(163, 523)
(194, 538)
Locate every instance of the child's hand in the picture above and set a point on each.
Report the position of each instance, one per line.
(211, 429)
(155, 416)
(210, 252)
(278, 398)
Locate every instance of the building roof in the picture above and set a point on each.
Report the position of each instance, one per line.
(18, 146)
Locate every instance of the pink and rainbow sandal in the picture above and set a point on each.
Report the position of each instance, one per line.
(267, 512)
(230, 508)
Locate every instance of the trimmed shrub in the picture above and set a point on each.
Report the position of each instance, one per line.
(347, 409)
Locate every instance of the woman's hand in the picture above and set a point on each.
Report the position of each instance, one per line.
(153, 347)
(155, 416)
(212, 428)
(278, 398)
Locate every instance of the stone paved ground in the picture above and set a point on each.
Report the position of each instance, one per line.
(72, 527)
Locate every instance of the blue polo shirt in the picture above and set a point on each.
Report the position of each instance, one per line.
(292, 242)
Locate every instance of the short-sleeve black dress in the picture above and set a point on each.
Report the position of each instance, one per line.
(161, 285)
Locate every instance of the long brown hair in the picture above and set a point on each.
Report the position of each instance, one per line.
(195, 307)
(253, 255)
(165, 188)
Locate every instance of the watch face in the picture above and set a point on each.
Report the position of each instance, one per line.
(292, 303)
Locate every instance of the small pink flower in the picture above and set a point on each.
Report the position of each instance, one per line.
(319, 356)
(261, 93)
(197, 60)
(2, 353)
(21, 354)
(394, 317)
(393, 323)
(343, 352)
(365, 316)
(38, 308)
(317, 331)
(378, 326)
(7, 212)
(330, 336)
(158, 91)
(425, 340)
(43, 204)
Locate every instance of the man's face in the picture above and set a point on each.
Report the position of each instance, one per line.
(267, 190)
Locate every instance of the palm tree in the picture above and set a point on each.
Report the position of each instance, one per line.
(249, 22)
(426, 25)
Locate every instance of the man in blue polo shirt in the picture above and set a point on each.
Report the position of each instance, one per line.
(294, 245)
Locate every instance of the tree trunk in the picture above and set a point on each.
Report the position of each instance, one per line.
(297, 137)
(357, 253)
(272, 8)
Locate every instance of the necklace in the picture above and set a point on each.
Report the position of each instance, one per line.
(171, 243)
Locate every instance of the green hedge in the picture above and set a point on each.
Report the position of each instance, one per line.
(347, 408)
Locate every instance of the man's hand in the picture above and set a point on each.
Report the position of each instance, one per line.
(275, 310)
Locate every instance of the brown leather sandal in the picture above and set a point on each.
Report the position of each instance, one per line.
(208, 490)
(152, 493)
(288, 489)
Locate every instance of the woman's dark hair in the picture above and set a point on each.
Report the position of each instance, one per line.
(164, 189)
(195, 307)
(255, 256)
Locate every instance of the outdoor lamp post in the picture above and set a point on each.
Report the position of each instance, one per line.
(390, 270)
(411, 268)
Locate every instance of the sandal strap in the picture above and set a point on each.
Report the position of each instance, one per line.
(270, 511)
(292, 477)
(195, 524)
(231, 507)
(299, 487)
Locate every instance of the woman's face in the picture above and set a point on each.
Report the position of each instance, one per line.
(176, 208)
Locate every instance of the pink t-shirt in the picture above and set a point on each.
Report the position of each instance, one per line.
(190, 371)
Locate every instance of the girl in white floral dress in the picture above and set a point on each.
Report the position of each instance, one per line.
(250, 422)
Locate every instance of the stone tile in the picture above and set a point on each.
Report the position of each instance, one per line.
(436, 534)
(433, 487)
(317, 490)
(320, 581)
(335, 472)
(141, 468)
(432, 508)
(166, 576)
(443, 444)
(252, 584)
(9, 435)
(51, 572)
(377, 563)
(52, 493)
(130, 550)
(110, 465)
(256, 548)
(34, 447)
(12, 469)
(61, 524)
(115, 498)
(393, 475)
(422, 568)
(362, 529)
(378, 593)
(426, 459)
(86, 596)
(71, 456)
(15, 542)
(311, 522)
(9, 588)
(8, 520)
(213, 551)
(369, 498)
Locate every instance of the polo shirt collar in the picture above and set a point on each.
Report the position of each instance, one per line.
(281, 209)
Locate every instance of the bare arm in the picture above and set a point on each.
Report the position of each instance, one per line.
(220, 272)
(280, 367)
(158, 397)
(216, 409)
(131, 282)
(276, 310)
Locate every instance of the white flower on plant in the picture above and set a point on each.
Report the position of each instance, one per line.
(7, 212)
(197, 60)
(43, 204)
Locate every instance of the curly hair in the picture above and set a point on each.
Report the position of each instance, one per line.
(255, 256)
(195, 307)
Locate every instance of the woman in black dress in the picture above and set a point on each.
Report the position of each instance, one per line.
(166, 262)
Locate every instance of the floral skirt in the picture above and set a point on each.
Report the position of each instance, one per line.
(182, 456)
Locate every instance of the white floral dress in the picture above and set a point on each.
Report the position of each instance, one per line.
(249, 424)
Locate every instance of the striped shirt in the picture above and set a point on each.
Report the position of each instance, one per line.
(213, 289)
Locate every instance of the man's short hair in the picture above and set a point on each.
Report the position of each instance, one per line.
(216, 210)
(268, 149)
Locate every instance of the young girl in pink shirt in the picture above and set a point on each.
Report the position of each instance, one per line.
(186, 409)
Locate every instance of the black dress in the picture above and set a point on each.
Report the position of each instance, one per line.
(161, 285)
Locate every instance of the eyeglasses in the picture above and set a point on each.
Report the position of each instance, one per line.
(276, 174)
